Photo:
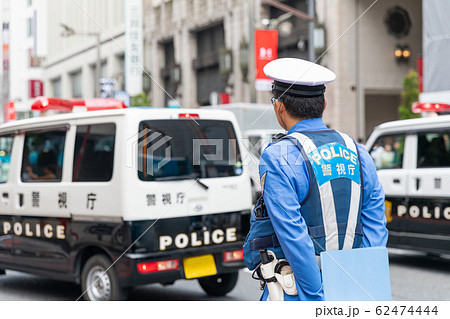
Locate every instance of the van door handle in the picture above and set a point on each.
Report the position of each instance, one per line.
(5, 198)
(417, 183)
(20, 199)
(396, 181)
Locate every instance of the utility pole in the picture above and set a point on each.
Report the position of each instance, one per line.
(98, 66)
(252, 50)
(5, 58)
(311, 25)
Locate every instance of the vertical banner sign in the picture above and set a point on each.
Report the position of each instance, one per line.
(35, 88)
(420, 72)
(10, 112)
(133, 47)
(266, 50)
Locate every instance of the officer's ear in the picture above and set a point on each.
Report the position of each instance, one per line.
(324, 103)
(281, 108)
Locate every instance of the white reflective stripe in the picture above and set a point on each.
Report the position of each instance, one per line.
(352, 216)
(348, 142)
(329, 217)
(326, 200)
(307, 144)
(354, 201)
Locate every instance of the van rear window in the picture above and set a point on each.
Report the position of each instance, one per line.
(183, 149)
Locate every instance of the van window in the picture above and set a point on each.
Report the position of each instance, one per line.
(43, 156)
(433, 149)
(93, 159)
(6, 143)
(166, 150)
(388, 150)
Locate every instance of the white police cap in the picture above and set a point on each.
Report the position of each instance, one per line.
(298, 77)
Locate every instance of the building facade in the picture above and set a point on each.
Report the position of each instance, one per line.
(24, 47)
(185, 41)
(201, 52)
(367, 91)
(72, 58)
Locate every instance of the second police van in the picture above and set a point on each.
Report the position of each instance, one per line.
(413, 162)
(112, 199)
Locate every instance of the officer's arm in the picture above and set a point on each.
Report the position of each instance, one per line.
(372, 214)
(282, 202)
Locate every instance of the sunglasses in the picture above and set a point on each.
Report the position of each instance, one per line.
(274, 99)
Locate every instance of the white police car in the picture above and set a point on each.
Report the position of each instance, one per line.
(413, 162)
(157, 194)
(256, 141)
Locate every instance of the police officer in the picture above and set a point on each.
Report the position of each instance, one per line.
(320, 188)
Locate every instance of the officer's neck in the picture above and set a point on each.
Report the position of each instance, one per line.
(290, 122)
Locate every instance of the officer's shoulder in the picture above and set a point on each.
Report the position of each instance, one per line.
(277, 151)
(278, 141)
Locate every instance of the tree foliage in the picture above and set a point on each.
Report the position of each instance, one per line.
(410, 94)
(140, 100)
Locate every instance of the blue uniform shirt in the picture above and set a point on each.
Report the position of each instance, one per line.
(286, 185)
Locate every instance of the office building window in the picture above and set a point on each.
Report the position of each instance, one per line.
(209, 79)
(77, 91)
(29, 27)
(56, 87)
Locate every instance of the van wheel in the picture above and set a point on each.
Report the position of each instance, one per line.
(98, 285)
(219, 285)
(2, 272)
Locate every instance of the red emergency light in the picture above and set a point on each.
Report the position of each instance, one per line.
(157, 266)
(43, 104)
(188, 115)
(418, 107)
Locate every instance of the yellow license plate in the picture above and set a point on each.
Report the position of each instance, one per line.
(199, 266)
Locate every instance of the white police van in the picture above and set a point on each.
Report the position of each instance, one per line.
(413, 162)
(256, 141)
(127, 192)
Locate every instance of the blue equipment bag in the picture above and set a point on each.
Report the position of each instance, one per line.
(356, 274)
(261, 227)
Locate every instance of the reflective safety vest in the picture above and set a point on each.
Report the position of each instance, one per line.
(332, 207)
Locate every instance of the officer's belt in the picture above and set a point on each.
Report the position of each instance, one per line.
(314, 232)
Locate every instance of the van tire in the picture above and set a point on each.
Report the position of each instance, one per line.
(2, 272)
(106, 287)
(219, 285)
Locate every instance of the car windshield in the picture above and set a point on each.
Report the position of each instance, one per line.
(187, 149)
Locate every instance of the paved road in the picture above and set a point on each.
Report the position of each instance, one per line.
(413, 277)
(20, 286)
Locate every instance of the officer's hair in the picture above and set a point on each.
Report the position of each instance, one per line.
(300, 107)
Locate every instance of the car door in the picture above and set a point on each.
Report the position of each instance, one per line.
(389, 152)
(40, 201)
(428, 211)
(6, 237)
